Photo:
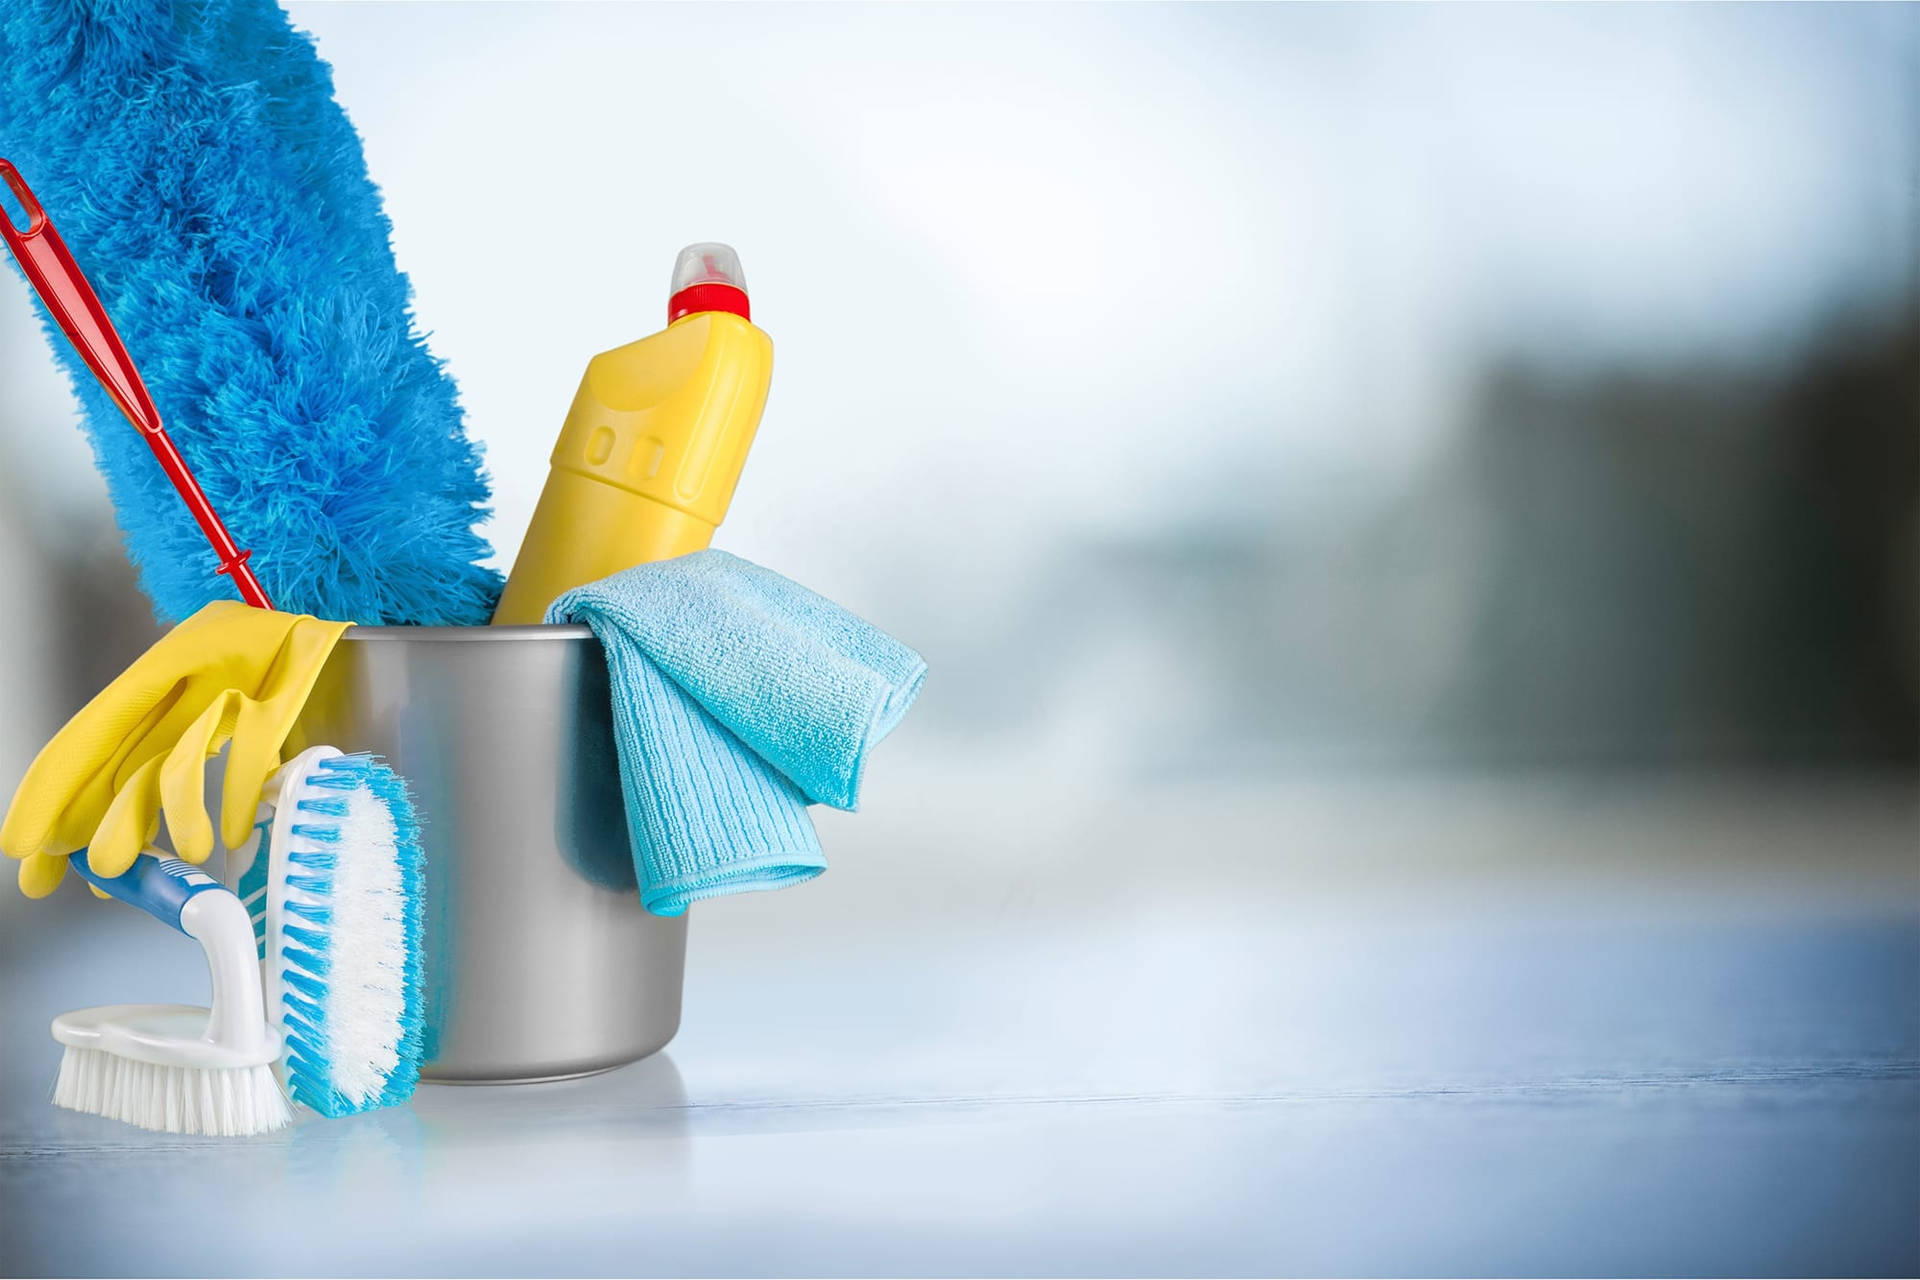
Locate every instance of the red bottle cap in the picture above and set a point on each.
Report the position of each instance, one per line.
(707, 277)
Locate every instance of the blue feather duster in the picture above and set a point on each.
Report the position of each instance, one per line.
(195, 161)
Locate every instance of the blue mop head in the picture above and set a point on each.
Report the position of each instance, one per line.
(343, 883)
(194, 160)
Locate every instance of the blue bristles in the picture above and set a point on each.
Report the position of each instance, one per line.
(349, 958)
(193, 158)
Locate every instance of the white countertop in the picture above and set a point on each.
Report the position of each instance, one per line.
(1328, 1027)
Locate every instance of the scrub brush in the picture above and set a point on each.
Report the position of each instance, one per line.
(332, 878)
(170, 1067)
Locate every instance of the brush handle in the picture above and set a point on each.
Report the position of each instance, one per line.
(75, 307)
(161, 887)
(182, 895)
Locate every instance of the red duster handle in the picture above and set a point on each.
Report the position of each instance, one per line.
(43, 255)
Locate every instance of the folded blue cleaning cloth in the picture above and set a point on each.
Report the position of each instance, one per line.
(739, 698)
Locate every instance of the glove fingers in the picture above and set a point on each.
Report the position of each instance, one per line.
(40, 874)
(251, 760)
(266, 723)
(183, 778)
(72, 780)
(31, 815)
(74, 771)
(132, 820)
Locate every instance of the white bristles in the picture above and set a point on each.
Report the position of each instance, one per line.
(367, 955)
(226, 1102)
(343, 933)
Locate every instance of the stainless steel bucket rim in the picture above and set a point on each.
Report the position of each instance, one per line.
(530, 631)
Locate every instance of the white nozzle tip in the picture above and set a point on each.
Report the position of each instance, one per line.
(708, 263)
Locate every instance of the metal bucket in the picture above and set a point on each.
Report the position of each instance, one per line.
(540, 961)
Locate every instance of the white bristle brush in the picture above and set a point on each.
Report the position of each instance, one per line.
(171, 1067)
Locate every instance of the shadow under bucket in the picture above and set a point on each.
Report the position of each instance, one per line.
(540, 961)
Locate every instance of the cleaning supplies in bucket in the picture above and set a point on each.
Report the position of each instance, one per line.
(654, 443)
(739, 698)
(174, 1067)
(222, 209)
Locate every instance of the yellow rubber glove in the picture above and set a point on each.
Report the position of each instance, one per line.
(229, 673)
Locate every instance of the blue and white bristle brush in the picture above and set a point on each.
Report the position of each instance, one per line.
(333, 879)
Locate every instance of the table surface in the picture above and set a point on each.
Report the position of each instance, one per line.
(1304, 1026)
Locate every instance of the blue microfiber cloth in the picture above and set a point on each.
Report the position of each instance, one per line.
(739, 698)
(194, 159)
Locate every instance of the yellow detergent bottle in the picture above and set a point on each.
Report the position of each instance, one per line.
(653, 446)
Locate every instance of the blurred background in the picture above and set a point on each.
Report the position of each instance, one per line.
(1201, 388)
(1385, 478)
